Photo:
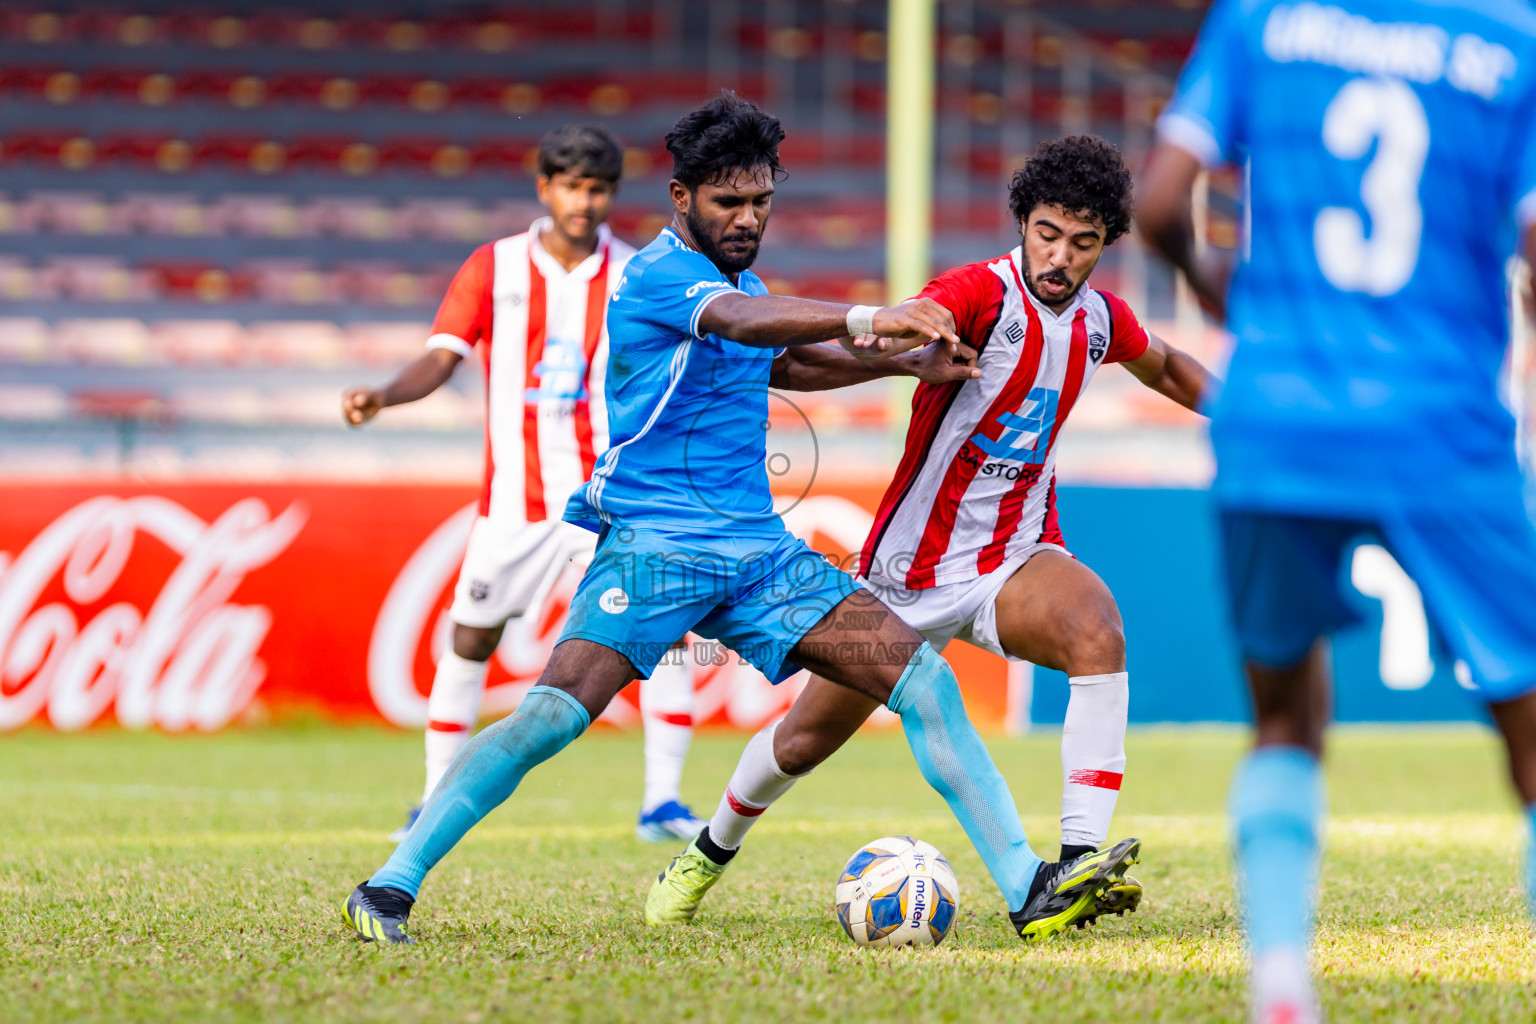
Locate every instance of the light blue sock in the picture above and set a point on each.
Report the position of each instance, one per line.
(1275, 806)
(483, 775)
(956, 763)
(1530, 859)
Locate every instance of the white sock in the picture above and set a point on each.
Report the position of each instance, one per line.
(666, 711)
(453, 708)
(1092, 756)
(1280, 988)
(756, 783)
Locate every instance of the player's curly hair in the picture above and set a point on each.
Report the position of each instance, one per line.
(1079, 173)
(722, 138)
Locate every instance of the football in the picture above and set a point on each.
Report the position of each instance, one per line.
(897, 891)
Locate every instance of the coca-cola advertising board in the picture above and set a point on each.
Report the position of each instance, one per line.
(194, 606)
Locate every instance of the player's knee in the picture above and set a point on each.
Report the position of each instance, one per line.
(474, 643)
(1095, 644)
(798, 752)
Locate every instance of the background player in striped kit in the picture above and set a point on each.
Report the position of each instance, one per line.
(966, 543)
(537, 304)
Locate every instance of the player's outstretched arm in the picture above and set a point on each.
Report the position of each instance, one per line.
(1175, 373)
(783, 321)
(829, 365)
(1163, 213)
(418, 379)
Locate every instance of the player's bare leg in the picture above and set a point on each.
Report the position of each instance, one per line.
(1276, 807)
(580, 680)
(1517, 721)
(864, 655)
(1292, 706)
(821, 720)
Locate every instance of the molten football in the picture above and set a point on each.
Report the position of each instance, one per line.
(897, 891)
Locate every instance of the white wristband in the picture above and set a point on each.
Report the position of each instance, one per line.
(861, 320)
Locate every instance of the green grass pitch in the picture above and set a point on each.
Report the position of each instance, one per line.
(153, 878)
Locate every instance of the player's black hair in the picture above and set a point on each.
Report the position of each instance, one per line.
(1080, 174)
(724, 137)
(585, 150)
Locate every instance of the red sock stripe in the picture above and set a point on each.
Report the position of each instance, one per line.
(447, 727)
(1089, 777)
(673, 718)
(745, 810)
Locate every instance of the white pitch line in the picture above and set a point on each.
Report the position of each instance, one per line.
(191, 794)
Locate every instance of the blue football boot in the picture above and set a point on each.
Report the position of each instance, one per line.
(667, 822)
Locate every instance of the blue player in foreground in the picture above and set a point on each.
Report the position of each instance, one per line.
(688, 539)
(1390, 150)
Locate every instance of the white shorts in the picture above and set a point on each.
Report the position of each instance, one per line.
(960, 611)
(510, 567)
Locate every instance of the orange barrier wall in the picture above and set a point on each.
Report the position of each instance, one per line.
(192, 606)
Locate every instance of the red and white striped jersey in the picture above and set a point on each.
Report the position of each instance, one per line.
(977, 481)
(544, 338)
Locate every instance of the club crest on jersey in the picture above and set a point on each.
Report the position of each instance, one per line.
(1097, 346)
(479, 590)
(1014, 333)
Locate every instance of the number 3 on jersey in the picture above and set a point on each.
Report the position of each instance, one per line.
(1383, 110)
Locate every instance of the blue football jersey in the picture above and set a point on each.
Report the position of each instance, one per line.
(687, 412)
(1389, 157)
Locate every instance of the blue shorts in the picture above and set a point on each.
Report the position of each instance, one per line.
(646, 588)
(1474, 563)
